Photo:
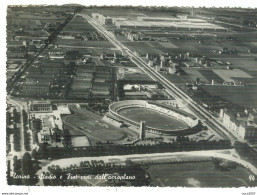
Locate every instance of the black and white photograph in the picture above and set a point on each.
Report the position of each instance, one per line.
(130, 96)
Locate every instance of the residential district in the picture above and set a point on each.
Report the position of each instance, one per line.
(131, 96)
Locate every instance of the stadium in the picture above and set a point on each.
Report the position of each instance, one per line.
(160, 119)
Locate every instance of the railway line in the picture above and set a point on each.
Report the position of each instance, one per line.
(210, 121)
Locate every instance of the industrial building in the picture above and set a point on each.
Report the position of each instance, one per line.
(46, 121)
(41, 106)
(103, 19)
(243, 127)
(57, 53)
(167, 23)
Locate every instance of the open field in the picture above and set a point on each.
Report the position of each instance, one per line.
(78, 141)
(194, 74)
(199, 174)
(243, 96)
(173, 46)
(74, 42)
(78, 24)
(210, 75)
(33, 19)
(227, 75)
(247, 64)
(221, 75)
(153, 118)
(144, 47)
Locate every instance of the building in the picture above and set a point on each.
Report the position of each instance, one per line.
(44, 136)
(173, 23)
(103, 19)
(41, 106)
(192, 123)
(113, 121)
(48, 126)
(238, 125)
(56, 53)
(150, 63)
(135, 36)
(248, 132)
(173, 69)
(142, 129)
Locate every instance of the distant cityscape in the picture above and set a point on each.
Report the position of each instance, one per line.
(131, 96)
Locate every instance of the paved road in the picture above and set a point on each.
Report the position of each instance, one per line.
(211, 122)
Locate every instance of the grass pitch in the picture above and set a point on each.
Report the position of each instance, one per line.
(201, 174)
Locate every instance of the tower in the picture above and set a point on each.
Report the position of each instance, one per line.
(162, 64)
(142, 129)
(192, 11)
(150, 63)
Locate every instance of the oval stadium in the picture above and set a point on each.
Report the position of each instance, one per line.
(159, 118)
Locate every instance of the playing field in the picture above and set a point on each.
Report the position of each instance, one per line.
(89, 124)
(201, 174)
(94, 128)
(153, 118)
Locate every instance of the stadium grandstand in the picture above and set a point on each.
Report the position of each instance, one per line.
(161, 119)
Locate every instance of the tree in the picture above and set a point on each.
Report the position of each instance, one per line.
(197, 80)
(15, 163)
(34, 154)
(216, 162)
(128, 162)
(16, 116)
(25, 117)
(27, 169)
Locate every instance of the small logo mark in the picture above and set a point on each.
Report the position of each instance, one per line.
(251, 178)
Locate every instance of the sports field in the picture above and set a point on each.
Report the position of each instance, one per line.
(200, 174)
(99, 130)
(89, 124)
(153, 118)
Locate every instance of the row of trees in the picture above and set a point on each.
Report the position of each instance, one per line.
(107, 150)
(247, 152)
(27, 135)
(27, 140)
(16, 116)
(16, 139)
(25, 167)
(104, 167)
